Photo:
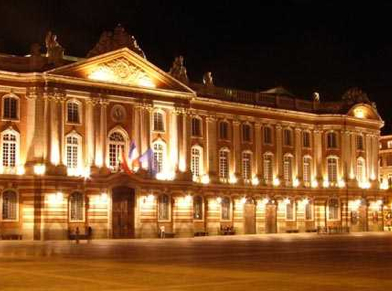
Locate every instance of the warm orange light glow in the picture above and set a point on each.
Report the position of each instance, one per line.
(359, 113)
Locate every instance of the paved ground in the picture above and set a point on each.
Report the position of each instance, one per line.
(266, 262)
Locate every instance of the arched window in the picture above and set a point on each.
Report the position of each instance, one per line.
(73, 114)
(287, 137)
(196, 126)
(307, 172)
(268, 162)
(333, 209)
(332, 140)
(288, 168)
(10, 148)
(9, 205)
(225, 208)
(306, 139)
(73, 147)
(159, 124)
(223, 130)
(360, 170)
(197, 207)
(76, 207)
(224, 163)
(246, 165)
(332, 168)
(116, 148)
(159, 149)
(10, 107)
(290, 210)
(163, 207)
(196, 161)
(360, 146)
(267, 135)
(246, 133)
(308, 211)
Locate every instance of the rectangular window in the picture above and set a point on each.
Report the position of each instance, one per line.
(306, 170)
(332, 170)
(246, 133)
(10, 203)
(246, 166)
(267, 134)
(287, 139)
(223, 130)
(224, 164)
(268, 168)
(72, 112)
(10, 109)
(287, 169)
(196, 127)
(290, 211)
(360, 142)
(308, 212)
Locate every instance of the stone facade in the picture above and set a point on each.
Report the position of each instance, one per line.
(215, 160)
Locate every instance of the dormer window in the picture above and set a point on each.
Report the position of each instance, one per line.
(10, 107)
(73, 114)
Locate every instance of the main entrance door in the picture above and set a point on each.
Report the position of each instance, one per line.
(249, 217)
(270, 218)
(123, 215)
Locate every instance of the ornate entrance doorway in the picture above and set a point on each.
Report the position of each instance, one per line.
(123, 212)
(270, 218)
(249, 217)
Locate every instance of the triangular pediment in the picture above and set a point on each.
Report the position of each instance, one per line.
(121, 67)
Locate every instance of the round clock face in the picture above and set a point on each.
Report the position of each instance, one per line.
(118, 113)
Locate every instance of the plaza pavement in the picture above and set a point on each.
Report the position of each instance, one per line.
(361, 261)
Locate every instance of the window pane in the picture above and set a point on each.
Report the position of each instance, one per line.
(267, 135)
(198, 207)
(77, 206)
(224, 164)
(9, 209)
(163, 207)
(225, 208)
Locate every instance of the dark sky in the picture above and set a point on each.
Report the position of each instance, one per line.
(302, 45)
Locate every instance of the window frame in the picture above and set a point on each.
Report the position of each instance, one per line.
(79, 149)
(311, 204)
(248, 130)
(201, 164)
(163, 114)
(363, 178)
(17, 98)
(308, 134)
(164, 156)
(359, 143)
(337, 211)
(202, 208)
(290, 137)
(269, 154)
(289, 170)
(337, 168)
(293, 205)
(10, 169)
(269, 128)
(124, 135)
(16, 207)
(79, 107)
(227, 124)
(169, 204)
(333, 144)
(227, 151)
(200, 129)
(250, 159)
(229, 209)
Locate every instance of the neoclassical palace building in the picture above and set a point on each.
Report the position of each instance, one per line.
(114, 143)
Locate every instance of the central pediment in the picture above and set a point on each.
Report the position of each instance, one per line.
(122, 67)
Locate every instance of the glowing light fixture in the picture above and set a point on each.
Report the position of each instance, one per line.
(205, 179)
(296, 183)
(354, 205)
(286, 201)
(39, 169)
(341, 183)
(255, 181)
(276, 182)
(20, 170)
(219, 200)
(165, 176)
(233, 179)
(314, 184)
(243, 200)
(305, 201)
(359, 113)
(325, 183)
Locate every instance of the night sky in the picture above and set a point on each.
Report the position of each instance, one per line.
(305, 46)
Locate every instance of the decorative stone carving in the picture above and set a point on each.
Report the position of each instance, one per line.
(207, 79)
(355, 95)
(112, 41)
(178, 70)
(121, 71)
(118, 113)
(54, 51)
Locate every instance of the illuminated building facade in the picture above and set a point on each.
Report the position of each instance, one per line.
(214, 158)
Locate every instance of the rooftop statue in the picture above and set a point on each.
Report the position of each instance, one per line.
(178, 70)
(207, 79)
(54, 51)
(110, 41)
(355, 95)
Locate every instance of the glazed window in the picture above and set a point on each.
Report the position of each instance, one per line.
(332, 140)
(333, 209)
(196, 126)
(73, 114)
(268, 173)
(308, 211)
(224, 164)
(246, 166)
(290, 207)
(223, 130)
(306, 170)
(195, 161)
(267, 135)
(9, 205)
(158, 121)
(360, 146)
(10, 107)
(163, 207)
(306, 139)
(225, 208)
(360, 173)
(198, 208)
(288, 168)
(246, 133)
(332, 168)
(76, 207)
(72, 149)
(116, 148)
(159, 156)
(287, 137)
(10, 147)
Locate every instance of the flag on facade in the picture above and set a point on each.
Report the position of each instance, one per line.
(148, 156)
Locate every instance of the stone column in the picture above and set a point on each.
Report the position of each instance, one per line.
(278, 160)
(62, 100)
(368, 155)
(318, 154)
(54, 132)
(211, 149)
(180, 137)
(31, 131)
(257, 168)
(173, 134)
(345, 155)
(353, 154)
(90, 140)
(236, 150)
(103, 129)
(375, 154)
(298, 155)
